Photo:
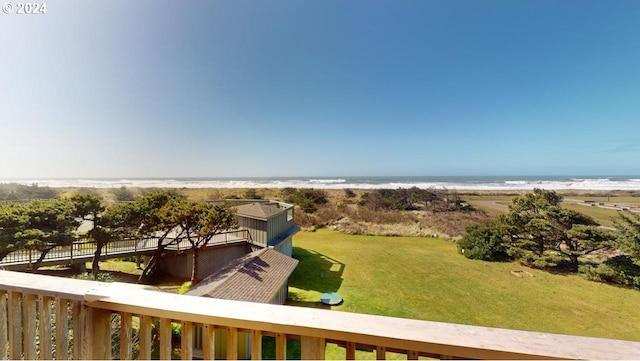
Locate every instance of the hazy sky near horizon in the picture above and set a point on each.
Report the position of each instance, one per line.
(320, 88)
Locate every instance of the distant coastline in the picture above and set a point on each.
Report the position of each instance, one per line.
(483, 183)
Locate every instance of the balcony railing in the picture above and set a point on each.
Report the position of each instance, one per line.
(81, 251)
(48, 317)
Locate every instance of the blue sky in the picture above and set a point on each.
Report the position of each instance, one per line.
(320, 88)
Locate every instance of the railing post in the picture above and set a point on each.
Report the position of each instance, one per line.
(232, 343)
(97, 345)
(79, 327)
(125, 336)
(3, 325)
(62, 329)
(281, 346)
(312, 348)
(256, 345)
(351, 351)
(45, 327)
(29, 326)
(208, 342)
(15, 326)
(186, 341)
(165, 339)
(145, 337)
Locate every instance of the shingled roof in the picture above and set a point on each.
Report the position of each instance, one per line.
(255, 277)
(258, 210)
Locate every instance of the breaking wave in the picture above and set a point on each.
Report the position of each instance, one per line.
(462, 183)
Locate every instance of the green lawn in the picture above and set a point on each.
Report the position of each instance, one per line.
(425, 278)
(604, 216)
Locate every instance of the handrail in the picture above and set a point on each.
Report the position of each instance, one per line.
(94, 303)
(124, 247)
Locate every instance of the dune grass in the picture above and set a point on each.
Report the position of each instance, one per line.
(425, 278)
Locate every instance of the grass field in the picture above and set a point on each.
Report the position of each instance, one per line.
(425, 278)
(604, 216)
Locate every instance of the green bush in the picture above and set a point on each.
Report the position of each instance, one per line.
(184, 287)
(484, 243)
(619, 270)
(102, 277)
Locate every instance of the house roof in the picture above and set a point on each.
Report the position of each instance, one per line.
(258, 210)
(255, 277)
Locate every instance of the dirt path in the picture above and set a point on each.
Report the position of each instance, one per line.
(492, 205)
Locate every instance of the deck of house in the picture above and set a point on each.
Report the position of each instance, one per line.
(93, 320)
(83, 251)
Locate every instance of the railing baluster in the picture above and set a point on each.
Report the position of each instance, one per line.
(381, 353)
(351, 351)
(186, 343)
(145, 338)
(29, 325)
(281, 346)
(98, 334)
(208, 342)
(125, 336)
(165, 339)
(79, 319)
(3, 325)
(232, 343)
(15, 326)
(312, 348)
(412, 355)
(256, 345)
(45, 327)
(62, 329)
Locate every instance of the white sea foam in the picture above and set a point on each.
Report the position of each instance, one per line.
(460, 183)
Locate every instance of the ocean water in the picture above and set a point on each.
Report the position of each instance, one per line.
(457, 182)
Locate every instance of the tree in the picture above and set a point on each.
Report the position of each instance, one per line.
(37, 225)
(88, 207)
(542, 233)
(484, 243)
(198, 222)
(629, 230)
(151, 223)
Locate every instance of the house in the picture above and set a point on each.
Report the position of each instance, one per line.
(261, 224)
(260, 276)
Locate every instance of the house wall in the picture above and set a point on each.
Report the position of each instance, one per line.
(257, 229)
(285, 247)
(211, 260)
(281, 297)
(265, 232)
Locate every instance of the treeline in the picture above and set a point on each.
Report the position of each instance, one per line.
(45, 224)
(401, 199)
(540, 233)
(19, 192)
(404, 199)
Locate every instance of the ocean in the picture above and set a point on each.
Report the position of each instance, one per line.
(491, 183)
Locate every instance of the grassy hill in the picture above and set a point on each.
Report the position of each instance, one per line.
(425, 278)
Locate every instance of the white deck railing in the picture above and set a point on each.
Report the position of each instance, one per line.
(48, 317)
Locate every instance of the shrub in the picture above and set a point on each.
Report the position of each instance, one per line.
(184, 287)
(618, 270)
(306, 199)
(123, 194)
(251, 193)
(484, 243)
(102, 277)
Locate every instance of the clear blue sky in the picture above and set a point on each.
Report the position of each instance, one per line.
(295, 88)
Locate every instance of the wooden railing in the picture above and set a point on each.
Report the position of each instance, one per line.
(44, 317)
(81, 250)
